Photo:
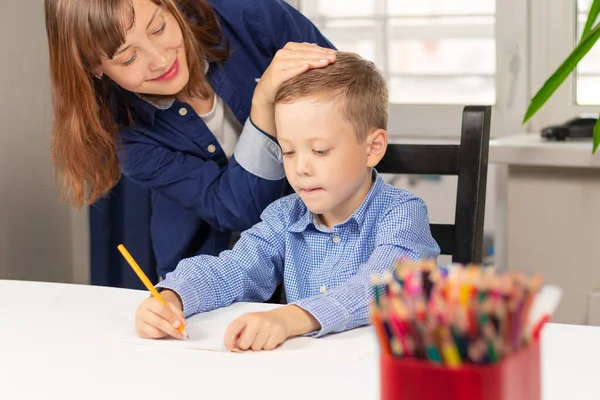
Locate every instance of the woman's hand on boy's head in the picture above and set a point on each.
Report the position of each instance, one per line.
(294, 59)
(154, 320)
(256, 331)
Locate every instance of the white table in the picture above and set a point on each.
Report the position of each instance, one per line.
(61, 341)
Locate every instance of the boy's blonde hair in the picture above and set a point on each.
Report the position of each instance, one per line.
(353, 81)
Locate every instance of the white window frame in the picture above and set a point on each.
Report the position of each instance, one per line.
(414, 121)
(553, 33)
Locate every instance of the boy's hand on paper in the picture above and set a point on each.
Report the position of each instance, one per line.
(292, 60)
(154, 320)
(267, 330)
(256, 331)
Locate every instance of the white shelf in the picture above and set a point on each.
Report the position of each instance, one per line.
(530, 149)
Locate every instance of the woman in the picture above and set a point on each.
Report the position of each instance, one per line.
(176, 94)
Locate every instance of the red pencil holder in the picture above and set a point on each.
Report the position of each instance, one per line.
(516, 377)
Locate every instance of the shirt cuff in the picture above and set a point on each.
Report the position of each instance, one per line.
(261, 131)
(259, 154)
(332, 316)
(192, 303)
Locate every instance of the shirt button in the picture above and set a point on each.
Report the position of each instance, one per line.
(211, 148)
(183, 111)
(323, 289)
(336, 239)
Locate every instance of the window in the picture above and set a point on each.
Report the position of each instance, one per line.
(437, 55)
(556, 27)
(433, 46)
(587, 85)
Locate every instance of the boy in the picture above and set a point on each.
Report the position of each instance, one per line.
(324, 242)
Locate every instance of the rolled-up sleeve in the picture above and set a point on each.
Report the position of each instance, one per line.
(258, 153)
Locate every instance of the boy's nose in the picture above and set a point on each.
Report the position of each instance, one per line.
(302, 168)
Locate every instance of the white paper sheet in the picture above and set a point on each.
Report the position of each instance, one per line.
(207, 331)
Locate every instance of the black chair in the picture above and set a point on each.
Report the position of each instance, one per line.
(469, 161)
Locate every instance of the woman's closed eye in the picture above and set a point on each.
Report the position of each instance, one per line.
(134, 55)
(287, 153)
(321, 152)
(131, 59)
(161, 29)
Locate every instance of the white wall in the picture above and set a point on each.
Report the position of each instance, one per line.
(35, 230)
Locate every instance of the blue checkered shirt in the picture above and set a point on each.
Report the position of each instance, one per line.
(325, 271)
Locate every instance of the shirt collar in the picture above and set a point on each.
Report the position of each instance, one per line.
(161, 103)
(358, 216)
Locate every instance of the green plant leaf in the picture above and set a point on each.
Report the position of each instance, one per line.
(562, 72)
(596, 136)
(591, 18)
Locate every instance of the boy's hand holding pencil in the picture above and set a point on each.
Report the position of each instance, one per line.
(155, 320)
(160, 315)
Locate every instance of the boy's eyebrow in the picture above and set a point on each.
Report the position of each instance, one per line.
(147, 27)
(309, 140)
(316, 139)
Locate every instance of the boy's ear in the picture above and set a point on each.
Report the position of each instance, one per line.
(377, 145)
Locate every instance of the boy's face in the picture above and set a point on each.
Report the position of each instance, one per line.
(324, 162)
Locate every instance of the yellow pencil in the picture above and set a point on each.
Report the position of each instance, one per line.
(449, 350)
(146, 281)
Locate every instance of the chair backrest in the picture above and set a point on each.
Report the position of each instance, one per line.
(469, 161)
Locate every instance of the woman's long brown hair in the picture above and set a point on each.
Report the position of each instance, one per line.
(84, 134)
